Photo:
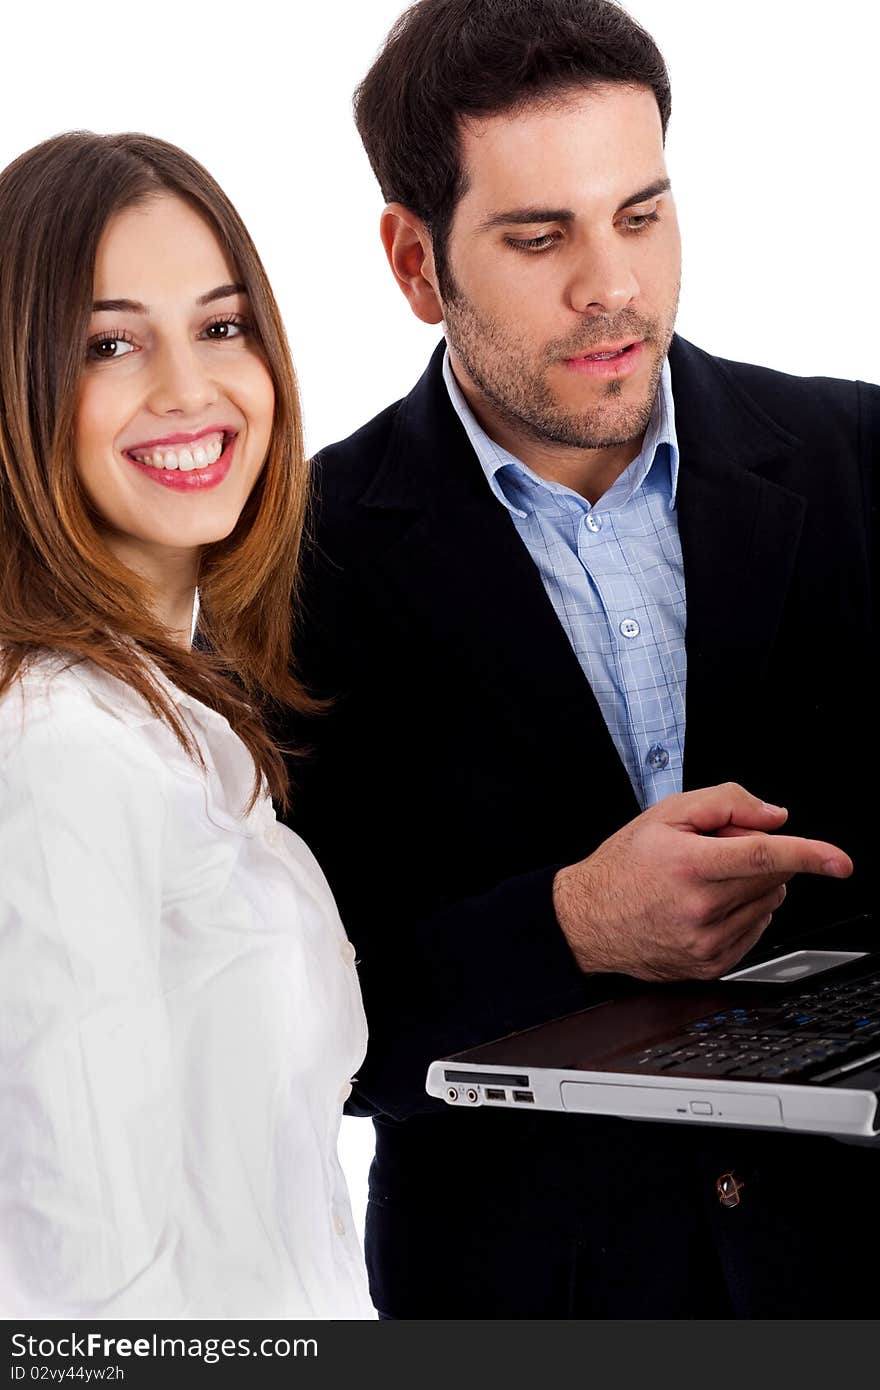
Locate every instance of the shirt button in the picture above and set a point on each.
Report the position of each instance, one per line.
(348, 952)
(593, 522)
(658, 757)
(339, 1225)
(728, 1187)
(630, 628)
(274, 837)
(345, 1092)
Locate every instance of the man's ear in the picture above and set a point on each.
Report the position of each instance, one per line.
(407, 243)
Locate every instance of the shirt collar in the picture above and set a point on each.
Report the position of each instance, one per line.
(507, 475)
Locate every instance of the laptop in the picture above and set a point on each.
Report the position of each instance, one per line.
(789, 1043)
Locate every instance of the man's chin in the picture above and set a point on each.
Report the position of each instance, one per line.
(608, 425)
(594, 439)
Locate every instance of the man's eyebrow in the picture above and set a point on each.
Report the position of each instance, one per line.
(134, 306)
(526, 216)
(653, 190)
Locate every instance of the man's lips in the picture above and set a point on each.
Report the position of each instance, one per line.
(608, 360)
(605, 350)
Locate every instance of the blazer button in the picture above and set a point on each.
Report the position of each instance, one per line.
(728, 1187)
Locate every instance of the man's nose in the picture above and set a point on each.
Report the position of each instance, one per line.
(603, 282)
(181, 384)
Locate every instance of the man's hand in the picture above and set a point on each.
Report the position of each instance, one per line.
(687, 888)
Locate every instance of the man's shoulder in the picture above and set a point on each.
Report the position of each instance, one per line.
(374, 464)
(800, 404)
(342, 472)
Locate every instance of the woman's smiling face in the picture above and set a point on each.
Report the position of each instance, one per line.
(174, 416)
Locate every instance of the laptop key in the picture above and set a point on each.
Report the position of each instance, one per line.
(773, 1039)
(700, 1067)
(652, 1058)
(799, 1063)
(678, 1059)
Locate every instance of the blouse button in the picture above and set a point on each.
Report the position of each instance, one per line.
(274, 837)
(339, 1225)
(348, 952)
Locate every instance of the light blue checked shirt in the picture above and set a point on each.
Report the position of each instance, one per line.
(615, 577)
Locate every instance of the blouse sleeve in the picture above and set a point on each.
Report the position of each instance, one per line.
(89, 1130)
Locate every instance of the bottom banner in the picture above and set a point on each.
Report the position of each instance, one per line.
(426, 1353)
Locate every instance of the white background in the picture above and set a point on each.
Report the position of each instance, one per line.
(772, 151)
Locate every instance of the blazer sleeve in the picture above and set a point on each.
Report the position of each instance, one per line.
(89, 1129)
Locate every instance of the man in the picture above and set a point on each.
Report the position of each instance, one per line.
(591, 608)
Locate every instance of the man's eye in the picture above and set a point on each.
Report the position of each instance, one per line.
(534, 243)
(106, 347)
(640, 221)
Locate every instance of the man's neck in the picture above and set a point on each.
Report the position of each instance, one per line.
(589, 472)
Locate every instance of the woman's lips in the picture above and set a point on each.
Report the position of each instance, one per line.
(192, 480)
(623, 363)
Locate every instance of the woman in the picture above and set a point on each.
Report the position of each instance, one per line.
(179, 1008)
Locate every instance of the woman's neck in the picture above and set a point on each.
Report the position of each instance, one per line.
(172, 575)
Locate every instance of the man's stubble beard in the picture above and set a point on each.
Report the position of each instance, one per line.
(517, 389)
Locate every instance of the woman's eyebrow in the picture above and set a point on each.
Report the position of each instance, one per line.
(134, 306)
(221, 292)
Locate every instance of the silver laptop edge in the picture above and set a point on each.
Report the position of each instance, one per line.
(805, 1109)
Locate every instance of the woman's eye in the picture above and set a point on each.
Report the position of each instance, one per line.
(221, 329)
(108, 347)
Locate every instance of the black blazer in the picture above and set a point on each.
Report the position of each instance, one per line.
(465, 760)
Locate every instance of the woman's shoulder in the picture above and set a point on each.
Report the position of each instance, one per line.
(58, 705)
(61, 711)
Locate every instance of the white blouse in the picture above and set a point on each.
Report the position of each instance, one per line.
(180, 1018)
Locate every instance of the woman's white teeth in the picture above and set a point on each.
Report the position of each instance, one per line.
(200, 455)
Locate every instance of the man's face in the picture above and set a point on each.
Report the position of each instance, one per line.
(565, 245)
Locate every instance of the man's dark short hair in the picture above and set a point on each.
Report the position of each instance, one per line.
(448, 59)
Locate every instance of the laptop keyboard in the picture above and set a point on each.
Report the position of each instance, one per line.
(812, 1032)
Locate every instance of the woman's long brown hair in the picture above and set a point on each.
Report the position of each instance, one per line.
(61, 588)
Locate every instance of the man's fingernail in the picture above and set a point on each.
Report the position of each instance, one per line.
(774, 810)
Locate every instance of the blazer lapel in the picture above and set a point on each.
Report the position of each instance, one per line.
(739, 533)
(446, 553)
(452, 560)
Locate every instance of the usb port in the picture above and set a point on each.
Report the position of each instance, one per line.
(492, 1094)
(527, 1097)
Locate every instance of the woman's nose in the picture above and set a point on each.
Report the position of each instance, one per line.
(182, 384)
